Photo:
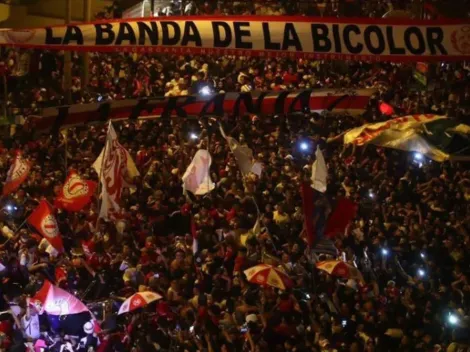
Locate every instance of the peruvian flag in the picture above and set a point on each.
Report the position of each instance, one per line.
(17, 174)
(63, 309)
(43, 219)
(56, 301)
(76, 193)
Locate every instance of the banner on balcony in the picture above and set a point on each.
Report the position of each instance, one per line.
(265, 36)
(352, 102)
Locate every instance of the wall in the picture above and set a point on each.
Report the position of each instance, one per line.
(48, 13)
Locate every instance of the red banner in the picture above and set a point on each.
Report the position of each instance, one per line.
(17, 174)
(352, 101)
(43, 219)
(75, 194)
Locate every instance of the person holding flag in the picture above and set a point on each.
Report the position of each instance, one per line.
(116, 171)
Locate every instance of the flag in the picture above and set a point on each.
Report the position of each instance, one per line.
(76, 193)
(64, 311)
(308, 210)
(56, 301)
(115, 168)
(197, 177)
(319, 172)
(343, 214)
(43, 219)
(17, 174)
(243, 155)
(425, 134)
(382, 133)
(257, 168)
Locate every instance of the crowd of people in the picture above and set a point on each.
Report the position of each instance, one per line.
(36, 79)
(409, 238)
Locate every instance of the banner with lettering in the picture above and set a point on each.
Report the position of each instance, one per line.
(264, 36)
(437, 137)
(350, 101)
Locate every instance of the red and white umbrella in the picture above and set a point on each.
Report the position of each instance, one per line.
(341, 269)
(138, 300)
(267, 275)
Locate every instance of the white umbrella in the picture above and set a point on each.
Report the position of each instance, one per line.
(138, 300)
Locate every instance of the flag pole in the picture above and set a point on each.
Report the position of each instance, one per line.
(66, 137)
(18, 229)
(258, 212)
(208, 150)
(101, 173)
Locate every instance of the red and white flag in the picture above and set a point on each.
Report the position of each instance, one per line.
(116, 170)
(76, 193)
(43, 219)
(56, 301)
(197, 178)
(17, 174)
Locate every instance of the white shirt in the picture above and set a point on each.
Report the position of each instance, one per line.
(31, 326)
(26, 259)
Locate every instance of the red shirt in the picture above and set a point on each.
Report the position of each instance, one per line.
(97, 261)
(239, 262)
(228, 254)
(284, 330)
(286, 305)
(231, 214)
(88, 247)
(290, 78)
(5, 327)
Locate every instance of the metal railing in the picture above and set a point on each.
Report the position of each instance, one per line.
(342, 8)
